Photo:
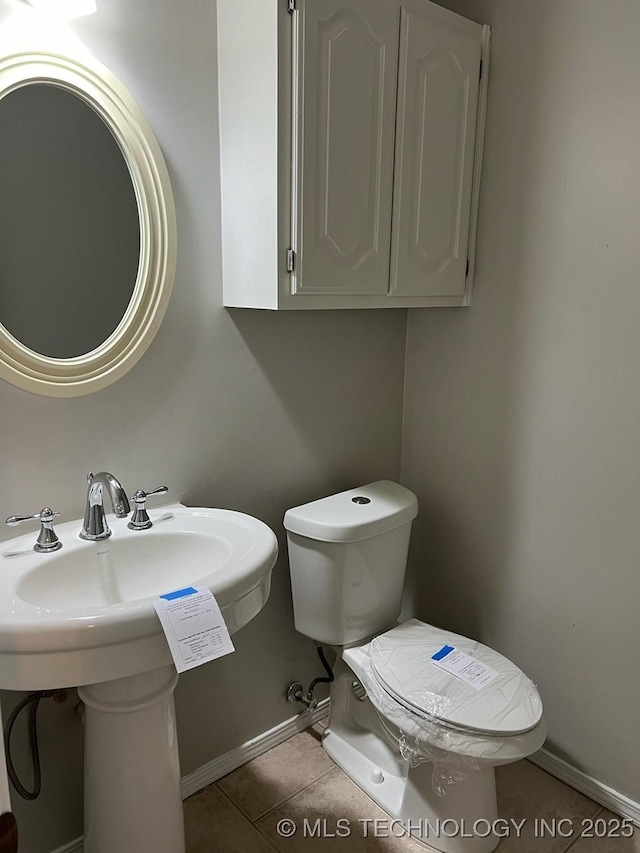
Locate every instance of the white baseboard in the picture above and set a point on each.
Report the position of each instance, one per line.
(598, 791)
(219, 767)
(76, 846)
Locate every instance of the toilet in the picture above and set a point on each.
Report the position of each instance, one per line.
(420, 716)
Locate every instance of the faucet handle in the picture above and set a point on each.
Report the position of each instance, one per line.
(47, 539)
(140, 519)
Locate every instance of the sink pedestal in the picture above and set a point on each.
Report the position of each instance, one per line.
(84, 615)
(133, 798)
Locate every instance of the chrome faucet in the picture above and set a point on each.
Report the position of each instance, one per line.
(95, 525)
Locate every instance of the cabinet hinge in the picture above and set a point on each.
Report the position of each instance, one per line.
(291, 6)
(291, 260)
(466, 272)
(480, 70)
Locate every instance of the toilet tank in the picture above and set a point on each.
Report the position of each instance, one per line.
(348, 556)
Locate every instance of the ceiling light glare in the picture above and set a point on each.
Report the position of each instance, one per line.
(65, 9)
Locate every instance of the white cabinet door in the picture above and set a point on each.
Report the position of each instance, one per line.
(348, 53)
(436, 125)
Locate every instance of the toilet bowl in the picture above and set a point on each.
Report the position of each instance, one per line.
(420, 716)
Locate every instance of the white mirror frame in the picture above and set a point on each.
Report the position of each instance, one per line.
(98, 88)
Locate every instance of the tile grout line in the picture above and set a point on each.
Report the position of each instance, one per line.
(246, 818)
(575, 840)
(254, 822)
(299, 791)
(407, 838)
(571, 843)
(281, 802)
(237, 806)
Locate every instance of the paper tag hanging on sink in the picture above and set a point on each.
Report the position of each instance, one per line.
(194, 627)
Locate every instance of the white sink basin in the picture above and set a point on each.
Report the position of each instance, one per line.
(83, 614)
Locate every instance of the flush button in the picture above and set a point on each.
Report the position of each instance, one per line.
(360, 499)
(377, 776)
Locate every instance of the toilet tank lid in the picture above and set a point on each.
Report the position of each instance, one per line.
(355, 514)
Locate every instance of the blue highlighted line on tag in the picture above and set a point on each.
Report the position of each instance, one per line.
(444, 651)
(179, 593)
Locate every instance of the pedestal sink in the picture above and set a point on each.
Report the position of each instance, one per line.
(83, 617)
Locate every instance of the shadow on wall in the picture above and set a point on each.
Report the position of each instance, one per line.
(458, 442)
(307, 403)
(437, 588)
(522, 414)
(333, 381)
(219, 700)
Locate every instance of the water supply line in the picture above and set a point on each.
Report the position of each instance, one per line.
(33, 700)
(295, 691)
(8, 825)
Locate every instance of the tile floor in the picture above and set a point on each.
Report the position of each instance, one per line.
(297, 780)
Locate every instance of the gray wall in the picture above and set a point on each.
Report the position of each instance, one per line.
(247, 410)
(522, 414)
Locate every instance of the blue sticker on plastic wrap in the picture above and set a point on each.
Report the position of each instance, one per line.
(179, 593)
(444, 651)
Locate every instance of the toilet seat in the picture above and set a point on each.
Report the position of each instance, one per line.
(436, 713)
(402, 662)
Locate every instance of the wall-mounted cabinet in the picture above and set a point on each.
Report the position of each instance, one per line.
(351, 143)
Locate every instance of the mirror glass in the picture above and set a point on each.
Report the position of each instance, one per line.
(69, 223)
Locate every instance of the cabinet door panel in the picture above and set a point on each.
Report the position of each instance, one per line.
(346, 110)
(437, 108)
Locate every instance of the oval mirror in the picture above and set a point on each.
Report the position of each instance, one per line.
(87, 227)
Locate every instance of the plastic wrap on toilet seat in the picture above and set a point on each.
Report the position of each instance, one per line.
(408, 663)
(419, 740)
(424, 709)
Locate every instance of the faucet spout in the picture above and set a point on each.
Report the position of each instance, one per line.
(95, 525)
